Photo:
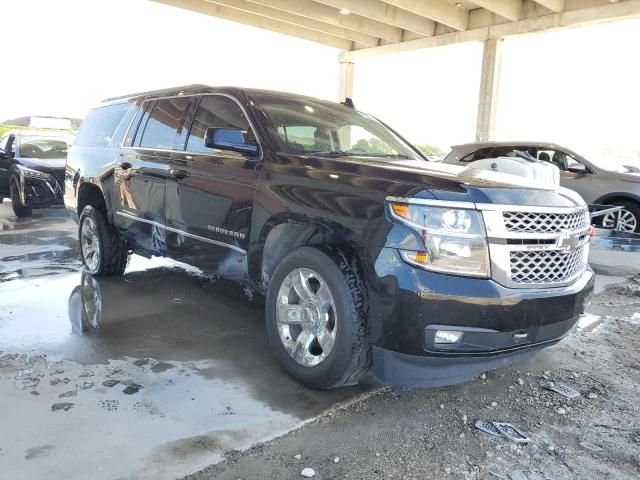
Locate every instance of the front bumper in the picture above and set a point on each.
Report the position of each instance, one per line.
(500, 326)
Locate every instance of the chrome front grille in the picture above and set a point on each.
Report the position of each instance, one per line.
(534, 222)
(536, 247)
(546, 266)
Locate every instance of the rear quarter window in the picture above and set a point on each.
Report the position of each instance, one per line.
(103, 125)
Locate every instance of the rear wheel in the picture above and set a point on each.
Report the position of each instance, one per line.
(103, 252)
(316, 319)
(629, 217)
(19, 209)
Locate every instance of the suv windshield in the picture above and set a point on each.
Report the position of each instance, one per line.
(44, 148)
(307, 126)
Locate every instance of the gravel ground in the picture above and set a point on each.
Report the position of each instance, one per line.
(429, 434)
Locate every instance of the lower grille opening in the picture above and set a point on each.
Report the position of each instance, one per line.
(546, 266)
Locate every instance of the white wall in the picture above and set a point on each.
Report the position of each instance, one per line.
(78, 52)
(429, 96)
(577, 87)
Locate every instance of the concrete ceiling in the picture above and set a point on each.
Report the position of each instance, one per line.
(371, 27)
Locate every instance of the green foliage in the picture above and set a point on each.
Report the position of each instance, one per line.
(373, 145)
(4, 128)
(430, 150)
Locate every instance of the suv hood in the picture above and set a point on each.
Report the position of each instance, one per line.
(43, 165)
(424, 179)
(472, 176)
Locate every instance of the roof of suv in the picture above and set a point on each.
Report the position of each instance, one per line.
(196, 89)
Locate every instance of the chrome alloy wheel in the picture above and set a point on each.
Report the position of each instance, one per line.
(628, 221)
(306, 316)
(90, 243)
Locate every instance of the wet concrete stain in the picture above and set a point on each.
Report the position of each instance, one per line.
(59, 381)
(37, 452)
(64, 406)
(161, 367)
(70, 393)
(132, 389)
(186, 447)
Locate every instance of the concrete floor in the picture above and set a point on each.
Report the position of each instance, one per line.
(151, 375)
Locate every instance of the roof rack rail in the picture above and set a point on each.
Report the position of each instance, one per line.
(155, 92)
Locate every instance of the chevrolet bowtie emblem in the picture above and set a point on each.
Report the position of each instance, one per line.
(569, 241)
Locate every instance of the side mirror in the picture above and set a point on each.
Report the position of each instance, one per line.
(229, 139)
(577, 168)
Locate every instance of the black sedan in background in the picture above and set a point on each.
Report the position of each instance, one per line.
(32, 168)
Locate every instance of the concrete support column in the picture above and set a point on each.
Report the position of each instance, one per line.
(345, 89)
(489, 89)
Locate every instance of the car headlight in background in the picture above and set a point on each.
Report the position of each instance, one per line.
(454, 238)
(30, 173)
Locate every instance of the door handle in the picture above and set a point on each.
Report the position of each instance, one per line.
(179, 174)
(125, 165)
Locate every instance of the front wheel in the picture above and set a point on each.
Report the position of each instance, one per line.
(19, 209)
(316, 318)
(629, 217)
(103, 252)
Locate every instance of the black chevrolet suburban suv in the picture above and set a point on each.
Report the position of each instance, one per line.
(365, 251)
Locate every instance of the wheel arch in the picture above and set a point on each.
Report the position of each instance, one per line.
(282, 234)
(91, 194)
(618, 196)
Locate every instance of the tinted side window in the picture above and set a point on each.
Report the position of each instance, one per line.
(216, 111)
(100, 124)
(123, 126)
(164, 127)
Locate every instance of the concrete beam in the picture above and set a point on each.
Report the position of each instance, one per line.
(207, 8)
(510, 9)
(258, 8)
(382, 12)
(489, 89)
(571, 18)
(553, 5)
(438, 10)
(332, 16)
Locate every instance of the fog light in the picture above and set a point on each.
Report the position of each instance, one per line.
(447, 336)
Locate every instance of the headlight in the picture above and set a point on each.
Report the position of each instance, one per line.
(454, 239)
(30, 173)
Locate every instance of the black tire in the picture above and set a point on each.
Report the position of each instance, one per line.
(19, 209)
(631, 207)
(350, 357)
(113, 252)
